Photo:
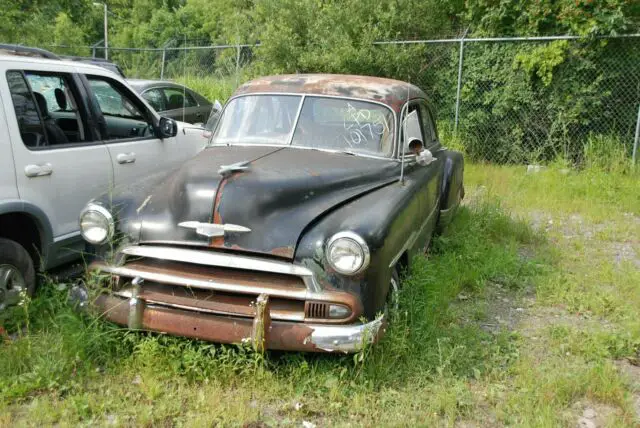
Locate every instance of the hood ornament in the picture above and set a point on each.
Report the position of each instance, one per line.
(211, 230)
(226, 170)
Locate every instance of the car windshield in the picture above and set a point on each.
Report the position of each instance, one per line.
(324, 123)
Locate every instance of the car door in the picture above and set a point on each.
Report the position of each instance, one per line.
(181, 105)
(424, 178)
(431, 199)
(59, 162)
(128, 133)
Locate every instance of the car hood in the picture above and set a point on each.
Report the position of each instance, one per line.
(279, 194)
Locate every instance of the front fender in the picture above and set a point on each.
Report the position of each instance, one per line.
(126, 204)
(385, 220)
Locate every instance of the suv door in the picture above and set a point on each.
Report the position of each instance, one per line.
(126, 126)
(59, 163)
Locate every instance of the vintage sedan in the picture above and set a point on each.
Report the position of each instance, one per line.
(290, 230)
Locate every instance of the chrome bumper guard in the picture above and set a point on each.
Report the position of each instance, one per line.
(260, 332)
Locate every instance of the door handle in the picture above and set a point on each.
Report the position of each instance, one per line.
(38, 170)
(126, 157)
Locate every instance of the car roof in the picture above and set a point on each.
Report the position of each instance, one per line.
(54, 63)
(393, 93)
(142, 84)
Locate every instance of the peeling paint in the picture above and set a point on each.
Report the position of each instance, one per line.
(143, 204)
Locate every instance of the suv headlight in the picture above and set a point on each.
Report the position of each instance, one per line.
(96, 224)
(347, 253)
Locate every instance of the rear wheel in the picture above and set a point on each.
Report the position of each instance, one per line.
(17, 274)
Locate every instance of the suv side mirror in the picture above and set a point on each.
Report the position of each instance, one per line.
(167, 128)
(412, 132)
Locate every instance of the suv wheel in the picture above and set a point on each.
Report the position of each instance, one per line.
(17, 275)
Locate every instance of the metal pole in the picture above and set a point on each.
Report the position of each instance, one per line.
(238, 66)
(460, 60)
(634, 157)
(106, 36)
(164, 54)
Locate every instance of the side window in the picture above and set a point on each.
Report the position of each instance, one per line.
(113, 101)
(428, 127)
(125, 116)
(177, 99)
(413, 107)
(155, 98)
(29, 120)
(46, 108)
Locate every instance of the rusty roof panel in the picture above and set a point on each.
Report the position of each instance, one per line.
(394, 93)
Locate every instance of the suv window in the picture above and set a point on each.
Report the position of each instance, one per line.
(112, 101)
(45, 100)
(177, 98)
(124, 115)
(29, 120)
(155, 98)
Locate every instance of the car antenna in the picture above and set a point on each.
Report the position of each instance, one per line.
(184, 87)
(403, 134)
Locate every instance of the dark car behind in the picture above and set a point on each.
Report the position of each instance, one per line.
(100, 62)
(173, 100)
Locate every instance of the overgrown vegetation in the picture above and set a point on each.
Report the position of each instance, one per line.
(523, 310)
(521, 102)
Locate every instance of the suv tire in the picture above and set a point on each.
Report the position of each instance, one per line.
(17, 273)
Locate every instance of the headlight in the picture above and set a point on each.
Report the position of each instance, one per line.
(347, 253)
(96, 224)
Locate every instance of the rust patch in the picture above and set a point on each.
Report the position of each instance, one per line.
(218, 241)
(287, 252)
(393, 93)
(285, 336)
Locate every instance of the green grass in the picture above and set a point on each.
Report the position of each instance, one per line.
(457, 350)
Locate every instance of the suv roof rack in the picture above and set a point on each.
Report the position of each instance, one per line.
(26, 51)
(83, 58)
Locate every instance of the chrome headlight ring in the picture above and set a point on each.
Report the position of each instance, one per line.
(96, 224)
(347, 253)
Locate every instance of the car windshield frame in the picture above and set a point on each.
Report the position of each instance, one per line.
(392, 125)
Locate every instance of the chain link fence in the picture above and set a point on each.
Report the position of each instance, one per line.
(504, 100)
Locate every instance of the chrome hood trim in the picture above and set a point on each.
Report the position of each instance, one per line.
(210, 284)
(209, 258)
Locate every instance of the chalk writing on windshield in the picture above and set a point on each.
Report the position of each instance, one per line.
(363, 126)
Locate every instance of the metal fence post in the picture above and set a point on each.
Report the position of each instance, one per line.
(237, 66)
(164, 55)
(460, 60)
(634, 157)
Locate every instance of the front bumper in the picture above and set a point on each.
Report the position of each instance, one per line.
(227, 298)
(260, 332)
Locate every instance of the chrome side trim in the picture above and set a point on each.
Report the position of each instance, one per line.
(210, 258)
(210, 284)
(414, 236)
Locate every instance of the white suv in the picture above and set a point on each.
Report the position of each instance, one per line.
(69, 132)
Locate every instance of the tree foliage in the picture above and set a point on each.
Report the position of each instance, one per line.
(558, 91)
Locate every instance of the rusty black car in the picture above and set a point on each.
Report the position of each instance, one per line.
(290, 229)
